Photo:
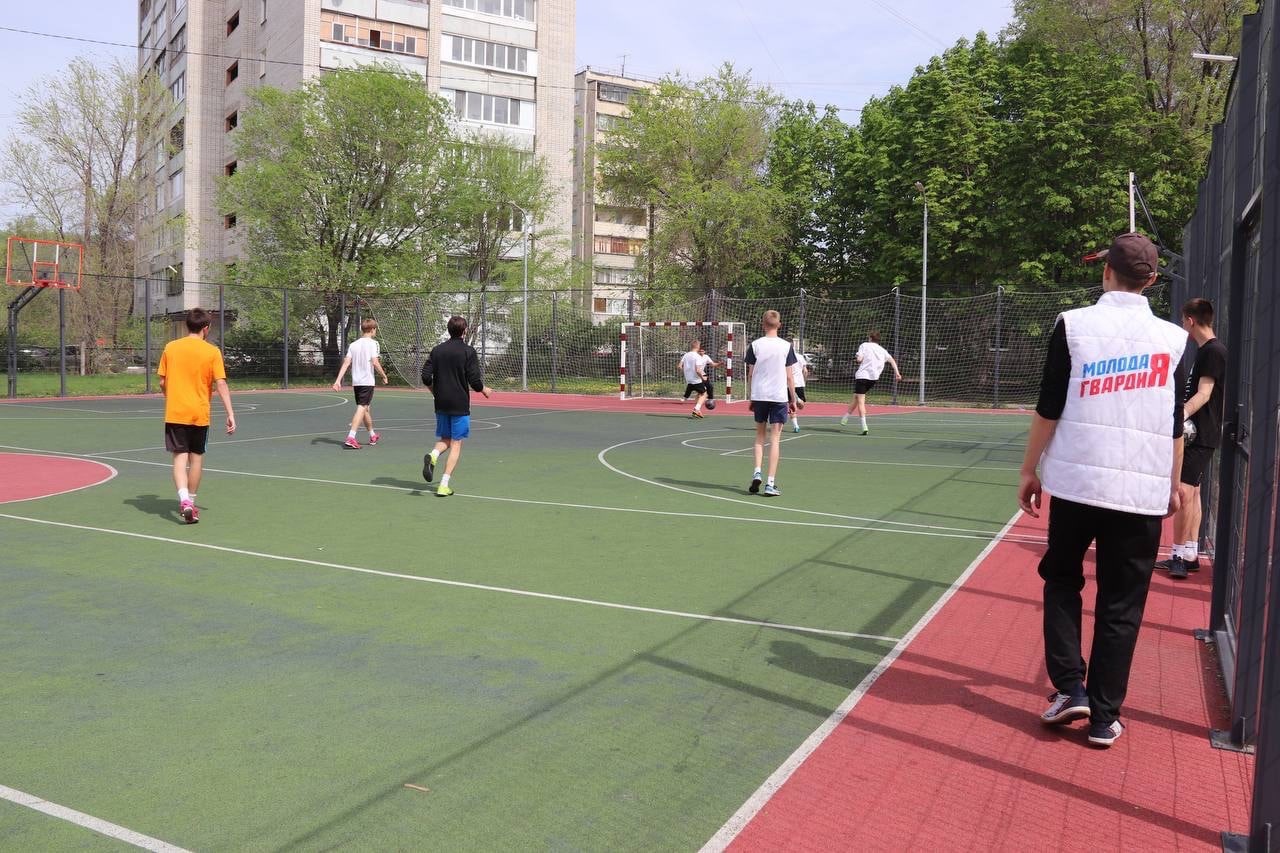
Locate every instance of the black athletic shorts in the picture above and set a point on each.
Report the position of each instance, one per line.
(863, 386)
(1195, 461)
(800, 393)
(696, 388)
(364, 394)
(184, 438)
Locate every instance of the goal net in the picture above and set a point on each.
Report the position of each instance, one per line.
(650, 353)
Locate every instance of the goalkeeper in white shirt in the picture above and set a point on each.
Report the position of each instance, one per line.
(871, 360)
(694, 363)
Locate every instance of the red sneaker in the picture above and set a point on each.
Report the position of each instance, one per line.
(190, 514)
(373, 438)
(351, 444)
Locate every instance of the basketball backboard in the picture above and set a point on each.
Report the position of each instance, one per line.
(30, 262)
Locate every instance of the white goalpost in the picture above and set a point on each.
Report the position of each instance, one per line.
(649, 355)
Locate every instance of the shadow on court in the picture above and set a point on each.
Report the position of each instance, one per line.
(693, 484)
(415, 487)
(166, 508)
(325, 439)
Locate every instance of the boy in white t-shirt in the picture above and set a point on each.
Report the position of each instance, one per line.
(363, 359)
(871, 360)
(799, 371)
(694, 363)
(773, 395)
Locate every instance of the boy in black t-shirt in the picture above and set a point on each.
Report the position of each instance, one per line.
(451, 372)
(1205, 395)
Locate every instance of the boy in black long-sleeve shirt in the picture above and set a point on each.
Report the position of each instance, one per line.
(450, 373)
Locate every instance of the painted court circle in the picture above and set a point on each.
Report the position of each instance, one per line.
(27, 476)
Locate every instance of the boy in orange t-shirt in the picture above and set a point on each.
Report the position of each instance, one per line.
(190, 369)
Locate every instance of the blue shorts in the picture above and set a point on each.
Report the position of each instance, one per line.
(453, 426)
(766, 410)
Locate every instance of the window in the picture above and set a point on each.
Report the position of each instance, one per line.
(178, 136)
(175, 283)
(608, 275)
(377, 35)
(491, 108)
(233, 23)
(520, 10)
(177, 47)
(614, 93)
(229, 169)
(489, 54)
(178, 88)
(604, 305)
(229, 221)
(175, 186)
(620, 215)
(606, 122)
(233, 121)
(607, 245)
(233, 71)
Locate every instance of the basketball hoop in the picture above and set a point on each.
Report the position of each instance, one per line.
(30, 262)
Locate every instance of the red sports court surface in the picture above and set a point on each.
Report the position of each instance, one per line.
(945, 751)
(24, 476)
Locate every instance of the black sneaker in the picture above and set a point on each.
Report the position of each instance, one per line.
(428, 468)
(1164, 565)
(754, 488)
(1065, 707)
(1105, 734)
(1177, 568)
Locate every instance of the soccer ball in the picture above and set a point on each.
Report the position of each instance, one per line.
(1189, 431)
(711, 404)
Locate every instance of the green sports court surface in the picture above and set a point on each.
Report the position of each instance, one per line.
(601, 641)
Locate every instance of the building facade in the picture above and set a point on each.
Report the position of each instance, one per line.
(608, 238)
(505, 65)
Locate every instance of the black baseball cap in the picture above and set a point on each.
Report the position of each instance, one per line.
(1132, 255)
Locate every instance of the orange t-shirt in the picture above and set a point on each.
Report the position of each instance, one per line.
(189, 366)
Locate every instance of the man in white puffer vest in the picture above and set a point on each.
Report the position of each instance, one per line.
(1107, 436)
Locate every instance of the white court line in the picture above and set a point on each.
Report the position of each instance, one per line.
(110, 476)
(98, 825)
(912, 526)
(765, 792)
(700, 617)
(872, 527)
(688, 443)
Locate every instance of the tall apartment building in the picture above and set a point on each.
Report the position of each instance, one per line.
(607, 237)
(506, 65)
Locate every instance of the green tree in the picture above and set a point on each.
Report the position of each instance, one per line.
(343, 184)
(75, 166)
(1024, 151)
(697, 152)
(805, 156)
(1154, 40)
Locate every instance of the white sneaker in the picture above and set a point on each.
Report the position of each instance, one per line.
(844, 421)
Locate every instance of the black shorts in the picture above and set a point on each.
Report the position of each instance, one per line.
(863, 386)
(800, 393)
(696, 388)
(184, 438)
(1195, 461)
(364, 394)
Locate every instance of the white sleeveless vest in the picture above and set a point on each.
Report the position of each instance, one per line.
(1113, 445)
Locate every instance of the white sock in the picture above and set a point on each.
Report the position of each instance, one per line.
(864, 423)
(351, 434)
(756, 474)
(183, 495)
(444, 481)
(435, 456)
(1176, 551)
(770, 482)
(1191, 550)
(698, 407)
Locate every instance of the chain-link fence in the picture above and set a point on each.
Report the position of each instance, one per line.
(983, 350)
(1231, 260)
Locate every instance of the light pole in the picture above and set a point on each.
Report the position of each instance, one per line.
(924, 284)
(526, 230)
